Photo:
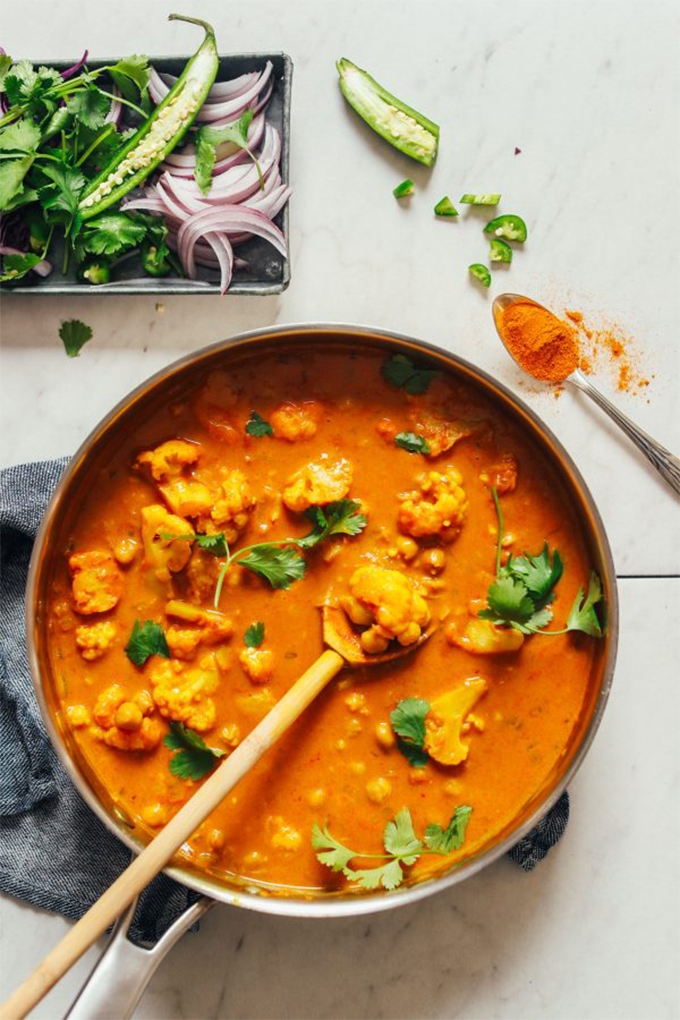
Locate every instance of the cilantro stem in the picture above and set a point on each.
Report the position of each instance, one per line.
(125, 102)
(501, 528)
(237, 556)
(88, 152)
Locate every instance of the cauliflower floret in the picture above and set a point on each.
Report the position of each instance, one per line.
(441, 433)
(438, 508)
(482, 637)
(258, 664)
(164, 555)
(95, 639)
(187, 498)
(389, 602)
(502, 475)
(445, 722)
(318, 483)
(282, 835)
(231, 508)
(168, 459)
(125, 723)
(296, 421)
(209, 629)
(97, 583)
(184, 694)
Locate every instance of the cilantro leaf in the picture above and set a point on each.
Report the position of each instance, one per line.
(89, 106)
(63, 194)
(12, 173)
(341, 517)
(193, 758)
(5, 64)
(74, 335)
(412, 443)
(254, 635)
(111, 234)
(400, 840)
(14, 267)
(389, 875)
(146, 639)
(279, 566)
(257, 426)
(21, 83)
(508, 602)
(21, 136)
(537, 573)
(443, 841)
(329, 851)
(215, 544)
(408, 722)
(207, 140)
(131, 75)
(401, 371)
(582, 615)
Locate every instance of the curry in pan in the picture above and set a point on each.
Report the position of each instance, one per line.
(186, 599)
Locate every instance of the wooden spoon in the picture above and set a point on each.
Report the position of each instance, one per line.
(344, 649)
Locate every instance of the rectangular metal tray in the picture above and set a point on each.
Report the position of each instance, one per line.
(269, 272)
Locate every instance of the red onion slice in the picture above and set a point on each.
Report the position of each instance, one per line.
(70, 71)
(229, 219)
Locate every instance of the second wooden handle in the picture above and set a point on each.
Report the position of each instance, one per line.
(146, 866)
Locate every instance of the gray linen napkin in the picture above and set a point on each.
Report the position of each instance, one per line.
(54, 852)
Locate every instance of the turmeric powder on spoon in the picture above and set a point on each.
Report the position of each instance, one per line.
(543, 345)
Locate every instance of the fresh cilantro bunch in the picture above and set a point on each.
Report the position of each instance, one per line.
(54, 139)
(402, 848)
(524, 589)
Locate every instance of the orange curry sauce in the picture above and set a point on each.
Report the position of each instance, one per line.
(338, 765)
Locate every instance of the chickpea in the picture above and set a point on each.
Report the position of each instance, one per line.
(128, 717)
(125, 550)
(78, 716)
(408, 549)
(356, 612)
(357, 767)
(378, 790)
(384, 735)
(433, 561)
(373, 642)
(155, 815)
(216, 839)
(355, 701)
(315, 798)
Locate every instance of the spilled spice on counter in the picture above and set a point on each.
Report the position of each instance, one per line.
(543, 345)
(608, 347)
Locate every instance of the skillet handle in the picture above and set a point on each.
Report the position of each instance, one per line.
(120, 976)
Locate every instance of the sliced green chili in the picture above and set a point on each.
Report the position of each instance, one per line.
(445, 207)
(512, 228)
(96, 271)
(480, 273)
(500, 251)
(406, 187)
(169, 122)
(400, 125)
(490, 199)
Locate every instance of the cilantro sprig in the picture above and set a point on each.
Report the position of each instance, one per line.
(411, 442)
(402, 848)
(207, 140)
(521, 596)
(254, 635)
(279, 562)
(193, 759)
(257, 426)
(408, 723)
(74, 334)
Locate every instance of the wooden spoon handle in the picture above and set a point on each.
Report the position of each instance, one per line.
(157, 854)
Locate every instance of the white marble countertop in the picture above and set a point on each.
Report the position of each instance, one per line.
(589, 93)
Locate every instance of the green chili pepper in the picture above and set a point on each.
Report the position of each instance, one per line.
(512, 228)
(400, 125)
(169, 122)
(57, 121)
(491, 199)
(500, 251)
(445, 207)
(480, 273)
(406, 187)
(154, 261)
(95, 271)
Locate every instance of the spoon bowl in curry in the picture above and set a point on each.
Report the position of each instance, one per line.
(666, 463)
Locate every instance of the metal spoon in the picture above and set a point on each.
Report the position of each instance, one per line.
(663, 460)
